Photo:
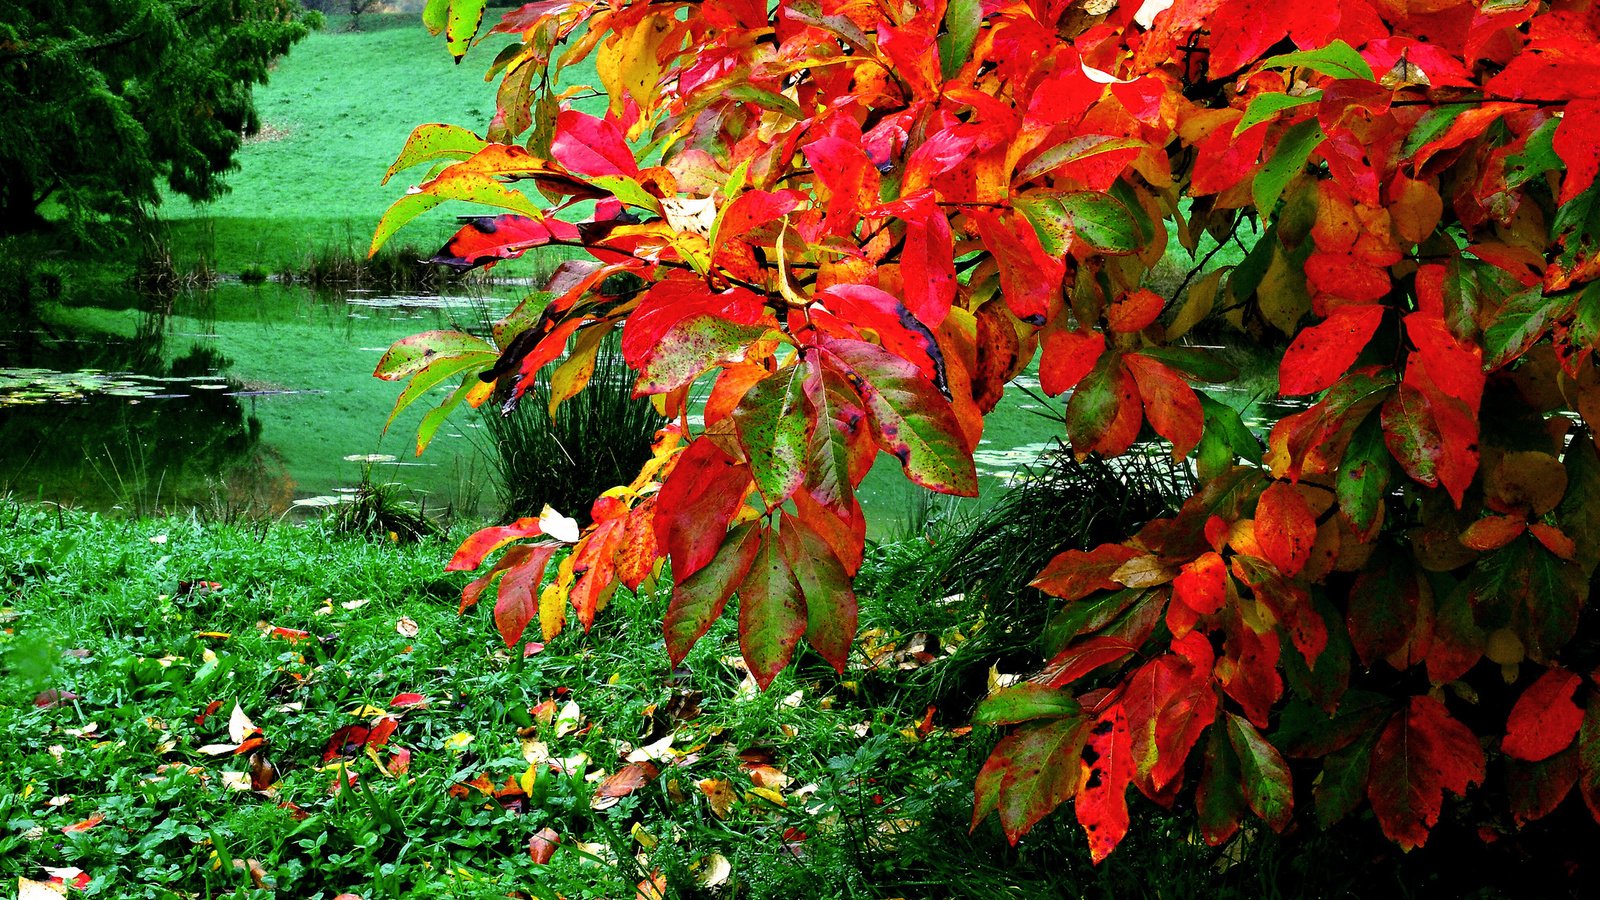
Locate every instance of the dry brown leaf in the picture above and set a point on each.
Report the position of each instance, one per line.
(719, 793)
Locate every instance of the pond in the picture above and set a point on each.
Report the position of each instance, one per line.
(234, 397)
(243, 399)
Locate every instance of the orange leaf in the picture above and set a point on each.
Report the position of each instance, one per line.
(1285, 527)
(1134, 311)
(1493, 532)
(85, 825)
(543, 845)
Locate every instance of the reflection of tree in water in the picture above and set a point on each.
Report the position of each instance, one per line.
(189, 447)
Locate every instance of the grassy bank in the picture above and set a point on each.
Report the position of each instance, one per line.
(821, 786)
(335, 113)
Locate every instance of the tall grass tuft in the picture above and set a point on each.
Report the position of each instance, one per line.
(595, 441)
(978, 566)
(395, 267)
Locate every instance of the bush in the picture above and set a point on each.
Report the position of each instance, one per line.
(866, 243)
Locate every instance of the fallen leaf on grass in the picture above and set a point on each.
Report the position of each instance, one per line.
(543, 845)
(206, 713)
(263, 774)
(719, 794)
(567, 720)
(621, 783)
(27, 889)
(641, 834)
(355, 604)
(52, 698)
(652, 888)
(770, 795)
(68, 876)
(406, 627)
(407, 701)
(712, 870)
(458, 742)
(236, 781)
(85, 825)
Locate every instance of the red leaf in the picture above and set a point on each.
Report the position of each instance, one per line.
(485, 240)
(1493, 532)
(1323, 352)
(517, 602)
(751, 210)
(347, 741)
(927, 267)
(487, 540)
(672, 301)
(1421, 753)
(1170, 404)
(1067, 357)
(1285, 527)
(586, 145)
(625, 780)
(696, 503)
(408, 701)
(1536, 789)
(849, 177)
(1554, 539)
(1104, 413)
(1203, 584)
(1031, 771)
(1030, 279)
(899, 331)
(1074, 574)
(1082, 658)
(53, 697)
(1577, 142)
(1544, 719)
(1106, 769)
(543, 845)
(698, 600)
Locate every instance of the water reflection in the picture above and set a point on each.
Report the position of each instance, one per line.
(241, 399)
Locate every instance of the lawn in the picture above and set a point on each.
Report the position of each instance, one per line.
(136, 655)
(335, 113)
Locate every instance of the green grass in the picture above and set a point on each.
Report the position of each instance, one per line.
(114, 612)
(335, 113)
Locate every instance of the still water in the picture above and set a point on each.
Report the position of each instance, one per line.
(238, 398)
(260, 400)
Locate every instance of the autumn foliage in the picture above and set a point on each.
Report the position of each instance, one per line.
(857, 220)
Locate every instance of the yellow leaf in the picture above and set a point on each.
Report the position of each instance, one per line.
(569, 378)
(363, 711)
(627, 63)
(712, 870)
(458, 742)
(1282, 293)
(645, 838)
(769, 795)
(1196, 304)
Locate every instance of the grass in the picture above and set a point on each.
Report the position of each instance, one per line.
(336, 112)
(148, 623)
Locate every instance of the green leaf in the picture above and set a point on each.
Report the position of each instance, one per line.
(1267, 105)
(692, 346)
(1433, 123)
(1218, 800)
(909, 419)
(440, 371)
(1262, 773)
(772, 613)
(765, 99)
(1364, 476)
(1343, 782)
(430, 143)
(1579, 512)
(435, 417)
(700, 599)
(470, 187)
(772, 426)
(1226, 438)
(461, 26)
(628, 190)
(1287, 161)
(1194, 362)
(962, 19)
(1537, 156)
(1098, 220)
(1024, 702)
(1338, 60)
(1032, 771)
(413, 354)
(1521, 321)
(831, 608)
